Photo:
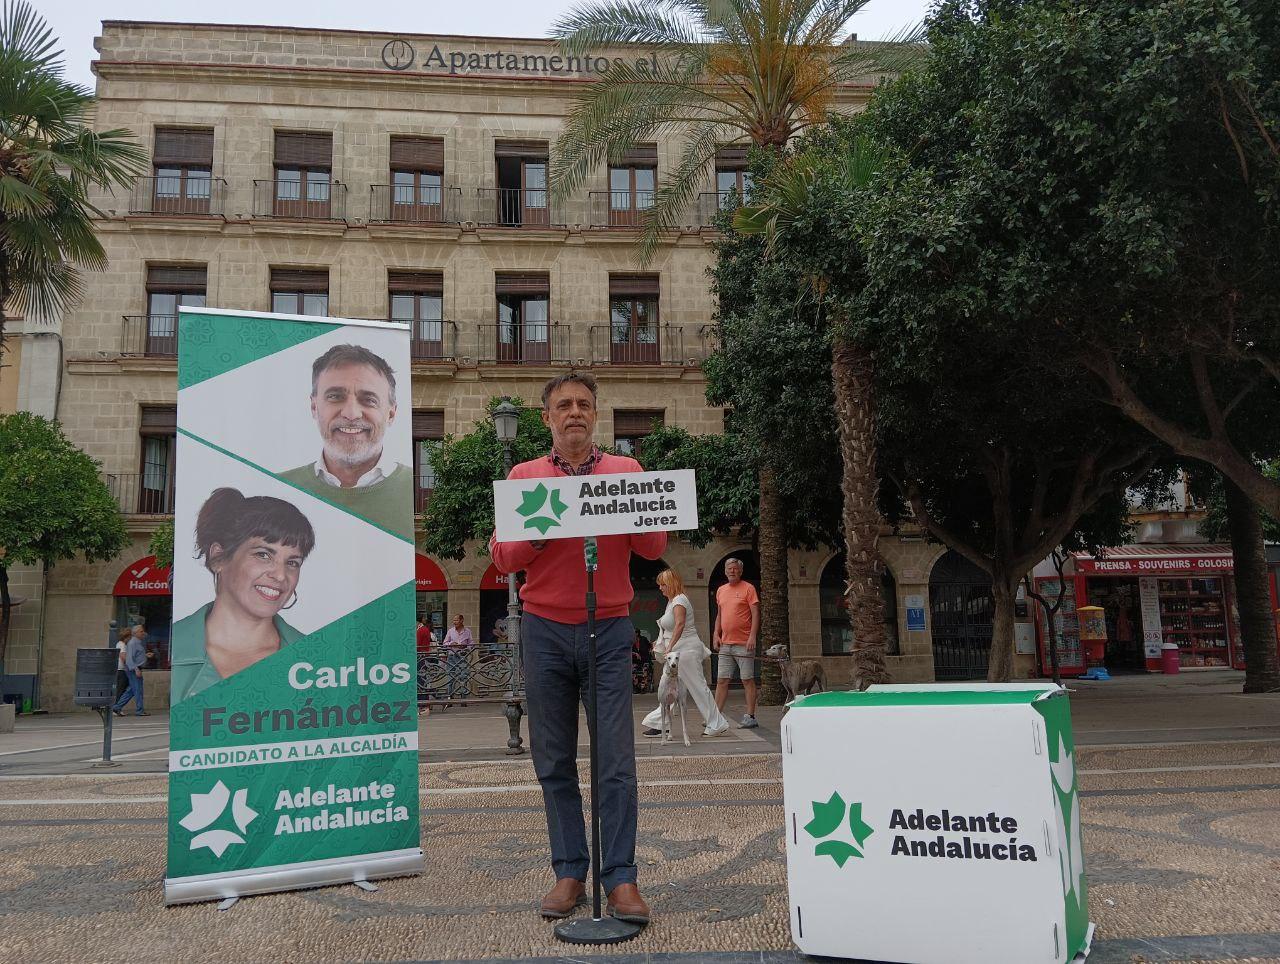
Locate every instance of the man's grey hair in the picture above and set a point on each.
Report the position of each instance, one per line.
(731, 561)
(340, 355)
(581, 378)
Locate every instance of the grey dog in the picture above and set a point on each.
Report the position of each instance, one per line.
(799, 677)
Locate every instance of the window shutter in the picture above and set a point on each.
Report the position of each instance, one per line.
(522, 283)
(417, 153)
(294, 148)
(159, 419)
(731, 159)
(173, 277)
(636, 421)
(633, 285)
(533, 149)
(419, 282)
(183, 145)
(642, 155)
(300, 279)
(428, 424)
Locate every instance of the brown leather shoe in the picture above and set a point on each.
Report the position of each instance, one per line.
(561, 900)
(625, 903)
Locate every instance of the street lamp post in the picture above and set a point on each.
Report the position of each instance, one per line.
(506, 422)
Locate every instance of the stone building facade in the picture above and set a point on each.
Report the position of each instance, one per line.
(374, 175)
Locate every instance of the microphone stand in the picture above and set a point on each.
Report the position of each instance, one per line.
(597, 929)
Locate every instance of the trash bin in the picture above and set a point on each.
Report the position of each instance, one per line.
(1170, 659)
(935, 823)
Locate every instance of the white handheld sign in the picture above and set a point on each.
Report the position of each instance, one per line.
(566, 507)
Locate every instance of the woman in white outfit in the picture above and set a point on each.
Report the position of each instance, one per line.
(679, 634)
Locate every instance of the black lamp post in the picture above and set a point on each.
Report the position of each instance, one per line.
(506, 422)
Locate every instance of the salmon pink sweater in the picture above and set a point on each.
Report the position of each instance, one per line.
(556, 578)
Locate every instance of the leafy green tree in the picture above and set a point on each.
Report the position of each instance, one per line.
(53, 503)
(160, 544)
(461, 505)
(49, 161)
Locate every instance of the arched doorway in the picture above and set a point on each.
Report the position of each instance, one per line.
(961, 610)
(649, 603)
(750, 573)
(833, 604)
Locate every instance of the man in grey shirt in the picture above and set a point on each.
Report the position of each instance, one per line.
(135, 655)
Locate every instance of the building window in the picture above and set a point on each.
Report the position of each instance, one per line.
(631, 185)
(417, 179)
(417, 297)
(524, 317)
(428, 431)
(182, 162)
(522, 183)
(632, 425)
(303, 174)
(733, 180)
(169, 286)
(633, 320)
(158, 433)
(299, 291)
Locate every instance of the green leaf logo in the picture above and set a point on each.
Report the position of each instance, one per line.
(827, 819)
(534, 503)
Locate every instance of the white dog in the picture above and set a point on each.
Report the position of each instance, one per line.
(672, 693)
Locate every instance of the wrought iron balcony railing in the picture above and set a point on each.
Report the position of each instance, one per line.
(517, 208)
(711, 204)
(142, 493)
(618, 344)
(309, 200)
(619, 209)
(530, 343)
(179, 195)
(406, 204)
(152, 336)
(432, 341)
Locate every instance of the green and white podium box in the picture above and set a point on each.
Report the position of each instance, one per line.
(935, 823)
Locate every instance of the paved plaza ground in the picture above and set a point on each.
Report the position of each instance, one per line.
(1181, 804)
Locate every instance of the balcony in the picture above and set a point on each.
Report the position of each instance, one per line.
(312, 201)
(401, 204)
(627, 345)
(619, 209)
(432, 341)
(150, 336)
(517, 208)
(533, 343)
(712, 203)
(142, 493)
(178, 196)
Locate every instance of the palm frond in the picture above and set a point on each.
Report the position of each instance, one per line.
(615, 22)
(24, 36)
(677, 192)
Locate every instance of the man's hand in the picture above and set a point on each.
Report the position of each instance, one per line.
(539, 544)
(751, 644)
(138, 672)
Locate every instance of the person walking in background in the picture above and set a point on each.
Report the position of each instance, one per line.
(135, 657)
(122, 675)
(457, 644)
(641, 663)
(734, 638)
(680, 635)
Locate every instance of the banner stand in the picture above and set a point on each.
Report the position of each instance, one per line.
(597, 929)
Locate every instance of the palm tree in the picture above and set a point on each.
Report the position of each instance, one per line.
(49, 161)
(784, 198)
(725, 71)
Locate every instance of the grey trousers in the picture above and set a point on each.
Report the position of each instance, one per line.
(556, 668)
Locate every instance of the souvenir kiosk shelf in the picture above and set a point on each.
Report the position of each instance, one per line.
(1193, 616)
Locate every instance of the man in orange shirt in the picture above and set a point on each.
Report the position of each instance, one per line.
(734, 638)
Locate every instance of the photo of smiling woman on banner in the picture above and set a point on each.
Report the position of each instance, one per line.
(255, 547)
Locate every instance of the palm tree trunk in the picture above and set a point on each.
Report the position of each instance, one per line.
(1257, 626)
(775, 608)
(851, 374)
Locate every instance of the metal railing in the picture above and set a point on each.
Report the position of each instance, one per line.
(619, 209)
(517, 208)
(178, 195)
(712, 203)
(486, 674)
(404, 204)
(627, 345)
(142, 493)
(531, 343)
(433, 341)
(319, 201)
(152, 336)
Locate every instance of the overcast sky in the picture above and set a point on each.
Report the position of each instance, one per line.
(77, 22)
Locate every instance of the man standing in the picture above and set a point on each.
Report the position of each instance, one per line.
(457, 643)
(556, 666)
(135, 656)
(353, 401)
(734, 638)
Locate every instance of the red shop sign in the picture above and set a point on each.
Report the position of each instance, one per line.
(492, 579)
(143, 578)
(428, 577)
(1155, 565)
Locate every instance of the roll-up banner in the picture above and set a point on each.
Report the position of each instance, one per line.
(293, 732)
